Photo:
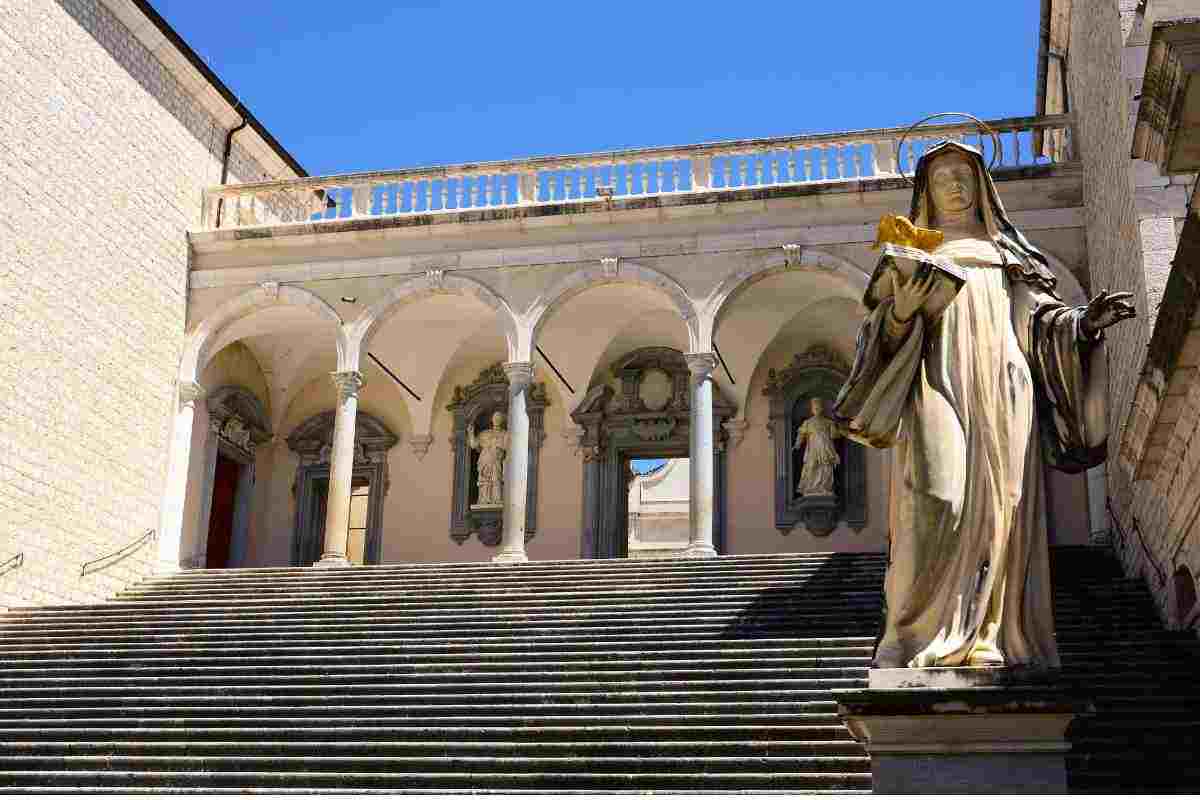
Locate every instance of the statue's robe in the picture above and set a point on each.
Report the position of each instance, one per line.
(974, 404)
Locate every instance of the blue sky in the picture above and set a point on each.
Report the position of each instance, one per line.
(373, 85)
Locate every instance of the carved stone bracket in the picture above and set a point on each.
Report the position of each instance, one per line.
(474, 404)
(817, 372)
(420, 445)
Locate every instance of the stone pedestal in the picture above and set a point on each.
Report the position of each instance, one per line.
(962, 730)
(819, 513)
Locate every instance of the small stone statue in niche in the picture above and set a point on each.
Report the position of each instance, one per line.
(492, 445)
(820, 456)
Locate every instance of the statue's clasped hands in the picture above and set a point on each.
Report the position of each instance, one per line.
(1106, 309)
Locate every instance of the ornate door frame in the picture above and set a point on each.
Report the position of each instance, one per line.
(641, 422)
(312, 441)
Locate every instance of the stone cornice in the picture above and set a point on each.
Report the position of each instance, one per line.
(157, 36)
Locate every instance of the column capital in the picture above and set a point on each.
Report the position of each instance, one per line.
(701, 365)
(190, 392)
(519, 374)
(348, 383)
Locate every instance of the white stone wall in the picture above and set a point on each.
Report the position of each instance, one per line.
(103, 156)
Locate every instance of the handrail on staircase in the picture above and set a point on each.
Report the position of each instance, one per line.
(9, 564)
(1116, 520)
(121, 551)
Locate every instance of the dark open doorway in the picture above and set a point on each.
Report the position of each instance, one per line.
(226, 477)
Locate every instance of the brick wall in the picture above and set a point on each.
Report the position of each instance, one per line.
(103, 155)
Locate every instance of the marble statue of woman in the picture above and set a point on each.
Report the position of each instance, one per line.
(973, 403)
(492, 445)
(820, 456)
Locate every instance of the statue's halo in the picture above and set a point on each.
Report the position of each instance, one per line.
(997, 147)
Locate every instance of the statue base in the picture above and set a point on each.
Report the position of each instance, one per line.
(819, 513)
(963, 730)
(486, 522)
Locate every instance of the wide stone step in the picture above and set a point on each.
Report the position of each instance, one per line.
(525, 732)
(389, 702)
(318, 635)
(332, 691)
(322, 582)
(745, 780)
(608, 612)
(433, 765)
(560, 567)
(628, 594)
(771, 637)
(642, 663)
(548, 714)
(373, 677)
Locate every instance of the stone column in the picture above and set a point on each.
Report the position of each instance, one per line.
(516, 464)
(200, 550)
(700, 457)
(341, 469)
(170, 520)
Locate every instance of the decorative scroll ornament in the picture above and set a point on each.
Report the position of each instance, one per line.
(815, 356)
(610, 265)
(437, 277)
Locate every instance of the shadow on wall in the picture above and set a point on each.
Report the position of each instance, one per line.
(843, 596)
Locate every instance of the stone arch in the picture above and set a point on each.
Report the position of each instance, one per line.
(417, 287)
(199, 346)
(611, 271)
(722, 297)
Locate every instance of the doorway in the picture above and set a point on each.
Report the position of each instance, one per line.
(363, 529)
(658, 508)
(226, 477)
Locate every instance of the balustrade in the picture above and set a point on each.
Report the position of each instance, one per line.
(600, 177)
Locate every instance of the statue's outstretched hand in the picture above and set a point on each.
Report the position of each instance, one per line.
(911, 294)
(1107, 309)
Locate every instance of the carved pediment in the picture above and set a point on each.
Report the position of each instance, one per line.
(818, 356)
(313, 438)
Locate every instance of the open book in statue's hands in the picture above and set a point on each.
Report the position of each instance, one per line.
(901, 252)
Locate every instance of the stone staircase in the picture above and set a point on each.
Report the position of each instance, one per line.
(710, 675)
(1145, 734)
(596, 675)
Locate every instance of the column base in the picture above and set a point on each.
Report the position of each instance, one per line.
(330, 561)
(510, 557)
(962, 730)
(699, 551)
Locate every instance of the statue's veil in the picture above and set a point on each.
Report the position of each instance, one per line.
(1031, 265)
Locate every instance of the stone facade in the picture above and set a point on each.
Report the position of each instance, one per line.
(104, 149)
(1137, 224)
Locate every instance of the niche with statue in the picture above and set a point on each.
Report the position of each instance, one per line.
(820, 476)
(480, 443)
